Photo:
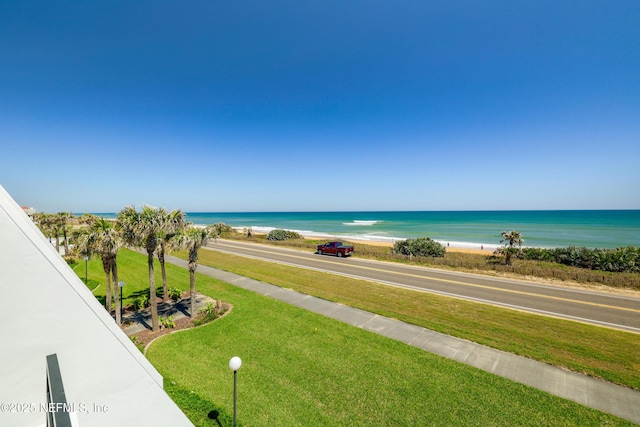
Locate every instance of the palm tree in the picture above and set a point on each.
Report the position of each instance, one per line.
(87, 218)
(512, 245)
(52, 224)
(170, 224)
(193, 238)
(219, 228)
(44, 223)
(62, 220)
(141, 229)
(102, 238)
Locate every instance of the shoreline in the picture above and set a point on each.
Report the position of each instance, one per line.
(450, 246)
(460, 247)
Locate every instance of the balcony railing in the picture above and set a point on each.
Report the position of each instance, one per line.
(56, 398)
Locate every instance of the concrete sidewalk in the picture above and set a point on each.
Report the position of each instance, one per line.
(604, 396)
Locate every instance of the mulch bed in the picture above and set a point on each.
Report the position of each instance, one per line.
(143, 338)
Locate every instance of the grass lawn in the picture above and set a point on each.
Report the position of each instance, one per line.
(133, 270)
(303, 369)
(605, 353)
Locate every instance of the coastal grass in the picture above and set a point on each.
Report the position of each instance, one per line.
(472, 262)
(304, 369)
(609, 354)
(301, 369)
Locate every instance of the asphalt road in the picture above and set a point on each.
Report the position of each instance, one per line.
(604, 309)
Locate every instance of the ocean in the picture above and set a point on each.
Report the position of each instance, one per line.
(471, 229)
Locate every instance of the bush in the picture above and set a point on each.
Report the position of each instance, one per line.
(221, 227)
(280, 234)
(210, 313)
(422, 246)
(209, 310)
(167, 322)
(537, 254)
(141, 302)
(174, 293)
(71, 261)
(625, 259)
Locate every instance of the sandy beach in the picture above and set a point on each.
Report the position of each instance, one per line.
(482, 251)
(469, 248)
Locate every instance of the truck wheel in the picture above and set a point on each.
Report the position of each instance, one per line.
(319, 251)
(339, 254)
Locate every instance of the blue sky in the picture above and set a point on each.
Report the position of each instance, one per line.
(320, 105)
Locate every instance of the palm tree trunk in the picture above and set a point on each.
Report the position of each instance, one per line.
(153, 299)
(165, 291)
(107, 271)
(66, 241)
(116, 288)
(192, 288)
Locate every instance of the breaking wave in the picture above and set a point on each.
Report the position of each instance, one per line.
(361, 223)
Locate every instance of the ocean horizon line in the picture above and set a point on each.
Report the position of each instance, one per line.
(382, 211)
(597, 228)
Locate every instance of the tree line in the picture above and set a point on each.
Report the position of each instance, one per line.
(155, 230)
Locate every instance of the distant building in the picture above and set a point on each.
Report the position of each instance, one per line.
(29, 211)
(62, 355)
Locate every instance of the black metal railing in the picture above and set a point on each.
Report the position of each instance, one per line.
(57, 413)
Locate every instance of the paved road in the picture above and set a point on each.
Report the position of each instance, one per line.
(617, 311)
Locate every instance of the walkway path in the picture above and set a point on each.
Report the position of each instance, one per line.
(604, 396)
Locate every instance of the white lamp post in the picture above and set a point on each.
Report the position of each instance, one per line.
(234, 364)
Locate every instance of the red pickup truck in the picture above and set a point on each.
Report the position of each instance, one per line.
(335, 248)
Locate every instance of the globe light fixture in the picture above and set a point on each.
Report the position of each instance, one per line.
(235, 363)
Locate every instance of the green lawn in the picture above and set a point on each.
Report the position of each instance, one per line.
(303, 369)
(133, 270)
(605, 353)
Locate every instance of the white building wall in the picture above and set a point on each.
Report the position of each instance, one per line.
(45, 308)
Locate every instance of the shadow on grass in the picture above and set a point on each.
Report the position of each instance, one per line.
(200, 411)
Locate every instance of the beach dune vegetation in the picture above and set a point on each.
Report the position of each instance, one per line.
(422, 246)
(221, 228)
(619, 260)
(279, 234)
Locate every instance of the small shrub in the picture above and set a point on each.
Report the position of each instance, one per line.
(141, 302)
(71, 261)
(174, 293)
(279, 234)
(209, 310)
(139, 344)
(422, 246)
(210, 313)
(221, 228)
(167, 322)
